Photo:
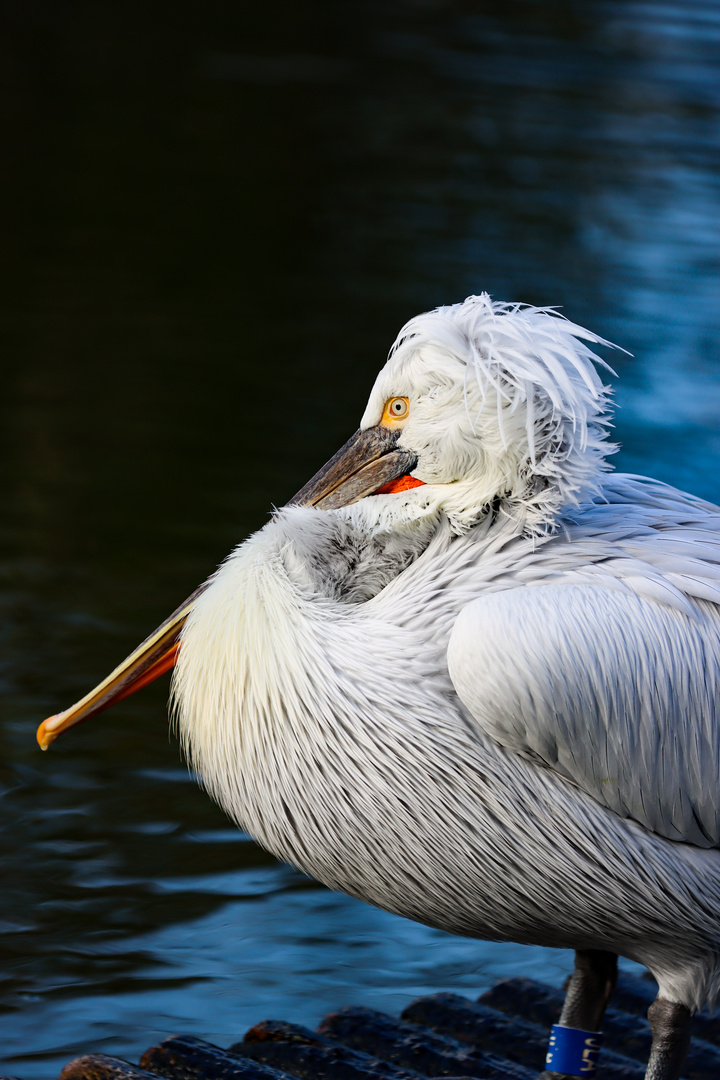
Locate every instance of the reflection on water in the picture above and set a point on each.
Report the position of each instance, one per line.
(219, 221)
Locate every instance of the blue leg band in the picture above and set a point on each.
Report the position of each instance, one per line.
(573, 1051)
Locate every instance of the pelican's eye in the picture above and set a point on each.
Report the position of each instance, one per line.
(396, 411)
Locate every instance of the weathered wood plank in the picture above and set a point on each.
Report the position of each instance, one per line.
(311, 1056)
(182, 1057)
(103, 1067)
(413, 1047)
(515, 1038)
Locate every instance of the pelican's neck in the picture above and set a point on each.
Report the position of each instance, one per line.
(339, 556)
(256, 666)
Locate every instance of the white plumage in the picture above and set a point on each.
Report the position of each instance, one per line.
(490, 702)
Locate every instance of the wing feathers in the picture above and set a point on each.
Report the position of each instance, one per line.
(616, 691)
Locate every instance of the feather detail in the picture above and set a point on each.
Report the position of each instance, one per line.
(536, 412)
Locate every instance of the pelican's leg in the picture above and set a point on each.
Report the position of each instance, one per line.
(587, 996)
(589, 990)
(670, 1026)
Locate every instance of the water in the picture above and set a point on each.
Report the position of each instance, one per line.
(216, 219)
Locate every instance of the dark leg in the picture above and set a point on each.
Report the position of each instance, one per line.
(588, 993)
(589, 990)
(670, 1026)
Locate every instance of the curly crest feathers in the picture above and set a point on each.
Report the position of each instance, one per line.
(532, 397)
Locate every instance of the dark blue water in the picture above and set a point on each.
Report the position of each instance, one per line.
(215, 221)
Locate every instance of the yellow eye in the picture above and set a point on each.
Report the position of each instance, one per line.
(395, 412)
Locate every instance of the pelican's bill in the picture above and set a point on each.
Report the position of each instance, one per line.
(368, 461)
(151, 659)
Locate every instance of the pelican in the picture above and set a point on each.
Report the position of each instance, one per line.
(471, 676)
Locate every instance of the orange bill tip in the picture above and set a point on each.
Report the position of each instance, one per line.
(45, 732)
(54, 726)
(156, 655)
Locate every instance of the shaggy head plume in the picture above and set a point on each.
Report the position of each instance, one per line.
(507, 409)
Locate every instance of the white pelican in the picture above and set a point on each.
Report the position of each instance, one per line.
(471, 677)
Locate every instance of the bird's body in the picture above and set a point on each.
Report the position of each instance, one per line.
(472, 678)
(330, 727)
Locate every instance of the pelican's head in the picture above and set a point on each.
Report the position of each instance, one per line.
(481, 406)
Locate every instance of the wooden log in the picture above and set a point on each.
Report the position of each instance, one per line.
(412, 1047)
(103, 1067)
(503, 1036)
(624, 1031)
(311, 1056)
(634, 994)
(283, 1031)
(525, 999)
(488, 1029)
(182, 1057)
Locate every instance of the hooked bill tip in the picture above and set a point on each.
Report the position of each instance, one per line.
(45, 733)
